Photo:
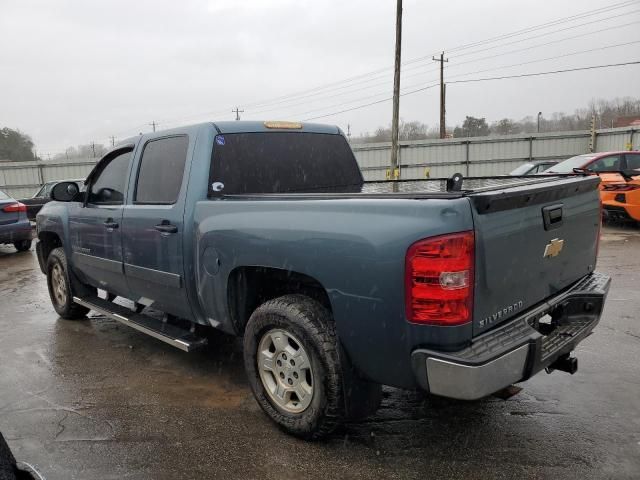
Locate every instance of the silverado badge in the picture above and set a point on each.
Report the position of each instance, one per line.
(553, 248)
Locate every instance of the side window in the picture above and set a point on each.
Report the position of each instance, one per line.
(633, 161)
(108, 187)
(605, 164)
(161, 170)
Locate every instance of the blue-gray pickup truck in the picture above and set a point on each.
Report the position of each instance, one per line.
(459, 287)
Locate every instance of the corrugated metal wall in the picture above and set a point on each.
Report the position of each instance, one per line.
(22, 179)
(478, 156)
(481, 156)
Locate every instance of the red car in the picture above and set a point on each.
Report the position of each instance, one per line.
(599, 162)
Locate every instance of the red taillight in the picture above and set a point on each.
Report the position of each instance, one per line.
(439, 280)
(15, 207)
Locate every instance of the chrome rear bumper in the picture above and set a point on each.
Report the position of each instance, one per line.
(514, 352)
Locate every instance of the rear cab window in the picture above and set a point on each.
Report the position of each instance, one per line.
(282, 162)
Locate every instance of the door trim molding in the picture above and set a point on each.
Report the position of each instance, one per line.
(156, 276)
(97, 262)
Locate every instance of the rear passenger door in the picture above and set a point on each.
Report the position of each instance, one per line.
(153, 225)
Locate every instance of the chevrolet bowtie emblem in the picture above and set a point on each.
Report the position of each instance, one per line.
(553, 248)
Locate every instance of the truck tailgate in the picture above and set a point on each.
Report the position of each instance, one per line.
(531, 242)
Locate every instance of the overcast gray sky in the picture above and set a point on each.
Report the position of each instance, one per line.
(74, 71)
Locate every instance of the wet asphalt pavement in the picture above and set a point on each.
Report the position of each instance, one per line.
(95, 400)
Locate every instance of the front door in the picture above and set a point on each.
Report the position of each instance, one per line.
(95, 227)
(152, 227)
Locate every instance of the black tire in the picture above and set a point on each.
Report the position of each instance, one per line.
(70, 286)
(312, 325)
(22, 245)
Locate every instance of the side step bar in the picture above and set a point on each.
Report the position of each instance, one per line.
(172, 334)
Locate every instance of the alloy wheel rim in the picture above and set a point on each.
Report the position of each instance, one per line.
(285, 371)
(58, 285)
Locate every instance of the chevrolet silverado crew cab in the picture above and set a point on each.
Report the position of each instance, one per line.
(459, 287)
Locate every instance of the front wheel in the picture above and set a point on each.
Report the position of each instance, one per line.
(59, 281)
(292, 360)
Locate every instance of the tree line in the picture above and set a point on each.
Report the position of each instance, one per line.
(606, 112)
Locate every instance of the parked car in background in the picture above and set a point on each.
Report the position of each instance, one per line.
(42, 196)
(599, 162)
(620, 180)
(620, 194)
(14, 225)
(533, 167)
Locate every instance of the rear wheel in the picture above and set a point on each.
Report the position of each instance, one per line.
(22, 245)
(62, 286)
(293, 364)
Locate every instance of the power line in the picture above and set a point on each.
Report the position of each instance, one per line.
(592, 67)
(457, 76)
(297, 98)
(344, 82)
(317, 90)
(460, 47)
(547, 33)
(476, 80)
(385, 81)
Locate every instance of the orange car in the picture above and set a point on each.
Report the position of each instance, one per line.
(620, 194)
(620, 175)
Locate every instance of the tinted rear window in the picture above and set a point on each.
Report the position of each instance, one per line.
(281, 162)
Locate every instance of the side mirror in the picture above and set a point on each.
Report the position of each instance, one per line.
(65, 191)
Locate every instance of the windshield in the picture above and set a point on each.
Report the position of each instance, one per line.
(4, 196)
(522, 169)
(569, 164)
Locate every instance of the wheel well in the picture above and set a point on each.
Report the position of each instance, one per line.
(250, 287)
(48, 241)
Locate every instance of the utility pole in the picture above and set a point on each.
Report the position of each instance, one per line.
(113, 141)
(237, 112)
(539, 115)
(395, 172)
(153, 125)
(93, 149)
(443, 123)
(349, 131)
